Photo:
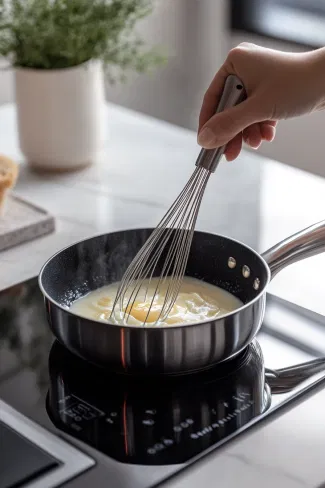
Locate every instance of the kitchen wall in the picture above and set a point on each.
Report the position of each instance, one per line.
(195, 35)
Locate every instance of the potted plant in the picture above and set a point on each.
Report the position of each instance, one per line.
(60, 50)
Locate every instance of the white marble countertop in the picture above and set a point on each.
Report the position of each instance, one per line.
(141, 169)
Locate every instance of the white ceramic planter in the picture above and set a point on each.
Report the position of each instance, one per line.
(60, 115)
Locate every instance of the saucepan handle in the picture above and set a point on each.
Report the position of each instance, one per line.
(303, 244)
(285, 379)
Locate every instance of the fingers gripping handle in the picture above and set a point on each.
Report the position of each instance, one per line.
(233, 94)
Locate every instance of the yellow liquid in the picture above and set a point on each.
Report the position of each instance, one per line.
(197, 301)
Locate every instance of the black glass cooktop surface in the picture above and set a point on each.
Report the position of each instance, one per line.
(144, 430)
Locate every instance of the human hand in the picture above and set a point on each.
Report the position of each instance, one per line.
(279, 85)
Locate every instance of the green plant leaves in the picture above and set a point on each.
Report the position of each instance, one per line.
(56, 34)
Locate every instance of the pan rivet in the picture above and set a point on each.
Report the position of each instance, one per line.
(232, 263)
(246, 271)
(256, 284)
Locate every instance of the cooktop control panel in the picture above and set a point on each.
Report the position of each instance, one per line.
(152, 434)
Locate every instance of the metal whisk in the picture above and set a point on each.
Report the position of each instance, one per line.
(165, 253)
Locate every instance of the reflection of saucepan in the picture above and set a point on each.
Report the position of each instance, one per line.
(174, 348)
(165, 421)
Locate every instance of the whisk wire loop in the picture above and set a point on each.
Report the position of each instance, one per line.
(172, 238)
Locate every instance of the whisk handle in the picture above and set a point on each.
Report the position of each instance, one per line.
(233, 93)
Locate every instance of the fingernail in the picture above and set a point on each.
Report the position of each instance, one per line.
(248, 142)
(206, 136)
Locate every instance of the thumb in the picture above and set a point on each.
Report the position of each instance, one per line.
(224, 126)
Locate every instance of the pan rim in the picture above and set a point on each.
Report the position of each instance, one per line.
(148, 326)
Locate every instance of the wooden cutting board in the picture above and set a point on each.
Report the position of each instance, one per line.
(22, 222)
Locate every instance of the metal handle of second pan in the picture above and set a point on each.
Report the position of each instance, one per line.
(303, 244)
(233, 94)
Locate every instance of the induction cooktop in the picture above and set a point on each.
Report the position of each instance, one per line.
(140, 431)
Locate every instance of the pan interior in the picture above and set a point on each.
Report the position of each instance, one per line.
(102, 260)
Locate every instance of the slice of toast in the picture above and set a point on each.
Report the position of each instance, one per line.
(8, 178)
(8, 172)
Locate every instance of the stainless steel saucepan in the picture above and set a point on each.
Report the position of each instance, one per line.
(172, 349)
